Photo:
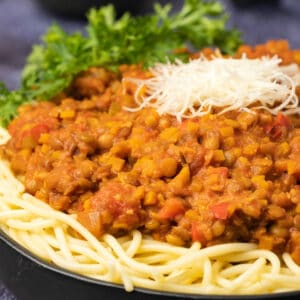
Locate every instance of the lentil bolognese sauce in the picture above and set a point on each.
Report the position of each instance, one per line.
(218, 178)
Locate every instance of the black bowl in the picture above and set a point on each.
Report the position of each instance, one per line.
(30, 278)
(78, 8)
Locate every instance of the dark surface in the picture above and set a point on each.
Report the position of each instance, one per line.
(21, 24)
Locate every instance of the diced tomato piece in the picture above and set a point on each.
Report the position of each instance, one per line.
(197, 234)
(118, 206)
(282, 120)
(115, 198)
(172, 208)
(37, 130)
(29, 137)
(275, 131)
(277, 128)
(220, 210)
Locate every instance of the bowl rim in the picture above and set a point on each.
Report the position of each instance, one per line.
(57, 269)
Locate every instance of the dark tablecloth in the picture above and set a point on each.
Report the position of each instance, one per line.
(22, 22)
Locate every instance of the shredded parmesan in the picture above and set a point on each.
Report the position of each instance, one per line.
(196, 88)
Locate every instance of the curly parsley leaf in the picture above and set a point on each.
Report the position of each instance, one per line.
(9, 103)
(110, 42)
(52, 66)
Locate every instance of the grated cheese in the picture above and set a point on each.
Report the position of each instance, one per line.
(196, 88)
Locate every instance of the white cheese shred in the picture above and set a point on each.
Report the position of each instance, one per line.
(196, 88)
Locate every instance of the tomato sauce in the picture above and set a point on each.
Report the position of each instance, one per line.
(212, 179)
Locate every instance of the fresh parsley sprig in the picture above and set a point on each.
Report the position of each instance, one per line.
(110, 42)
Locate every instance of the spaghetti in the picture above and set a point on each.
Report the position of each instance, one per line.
(135, 259)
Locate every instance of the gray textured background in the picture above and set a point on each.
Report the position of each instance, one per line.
(22, 22)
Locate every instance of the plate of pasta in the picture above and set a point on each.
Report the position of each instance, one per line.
(158, 169)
